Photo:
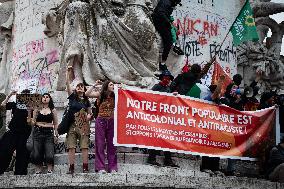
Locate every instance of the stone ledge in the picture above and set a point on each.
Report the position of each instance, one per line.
(123, 180)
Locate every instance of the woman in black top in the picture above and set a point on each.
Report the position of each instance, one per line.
(16, 137)
(45, 127)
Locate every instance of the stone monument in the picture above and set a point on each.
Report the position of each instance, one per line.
(264, 56)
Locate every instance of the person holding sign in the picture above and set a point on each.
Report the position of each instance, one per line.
(16, 137)
(105, 128)
(80, 107)
(45, 124)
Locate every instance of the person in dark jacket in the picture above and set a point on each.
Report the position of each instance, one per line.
(276, 163)
(162, 22)
(163, 86)
(234, 100)
(16, 137)
(267, 100)
(183, 82)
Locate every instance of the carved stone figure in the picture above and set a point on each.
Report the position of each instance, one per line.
(102, 39)
(6, 23)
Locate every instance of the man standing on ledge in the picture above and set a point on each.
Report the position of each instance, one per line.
(162, 22)
(163, 86)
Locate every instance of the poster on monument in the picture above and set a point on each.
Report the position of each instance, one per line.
(161, 121)
(203, 25)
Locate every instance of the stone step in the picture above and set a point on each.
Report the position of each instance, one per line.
(133, 176)
(132, 158)
(187, 162)
(128, 169)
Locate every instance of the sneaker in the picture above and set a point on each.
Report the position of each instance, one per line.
(163, 67)
(102, 171)
(157, 73)
(171, 164)
(178, 50)
(38, 172)
(219, 174)
(49, 172)
(208, 171)
(153, 162)
(113, 171)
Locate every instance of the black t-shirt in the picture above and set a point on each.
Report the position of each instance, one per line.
(19, 117)
(76, 105)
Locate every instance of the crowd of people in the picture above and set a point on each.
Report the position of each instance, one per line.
(43, 124)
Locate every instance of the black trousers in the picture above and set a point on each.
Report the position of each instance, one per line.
(14, 141)
(164, 29)
(153, 153)
(211, 163)
(43, 146)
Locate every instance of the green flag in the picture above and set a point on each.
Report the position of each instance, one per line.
(244, 28)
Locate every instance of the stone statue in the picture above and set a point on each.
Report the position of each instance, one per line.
(264, 57)
(101, 39)
(6, 23)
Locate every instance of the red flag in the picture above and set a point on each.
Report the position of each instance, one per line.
(218, 71)
(185, 67)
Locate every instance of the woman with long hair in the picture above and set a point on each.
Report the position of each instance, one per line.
(80, 108)
(105, 128)
(45, 128)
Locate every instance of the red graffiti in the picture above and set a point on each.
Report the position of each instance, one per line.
(52, 57)
(30, 48)
(202, 40)
(189, 26)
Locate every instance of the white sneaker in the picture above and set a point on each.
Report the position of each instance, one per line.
(49, 172)
(102, 171)
(113, 171)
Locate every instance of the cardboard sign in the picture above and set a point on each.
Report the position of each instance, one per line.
(32, 100)
(82, 122)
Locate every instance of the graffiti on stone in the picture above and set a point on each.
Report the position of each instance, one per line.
(202, 30)
(35, 58)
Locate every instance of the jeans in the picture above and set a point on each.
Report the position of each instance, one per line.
(43, 149)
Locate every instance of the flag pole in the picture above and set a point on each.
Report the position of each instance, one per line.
(212, 60)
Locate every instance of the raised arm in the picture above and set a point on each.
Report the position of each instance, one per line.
(55, 121)
(4, 102)
(68, 87)
(218, 89)
(207, 66)
(33, 120)
(91, 91)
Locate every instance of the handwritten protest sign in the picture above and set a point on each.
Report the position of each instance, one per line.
(32, 100)
(182, 124)
(82, 122)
